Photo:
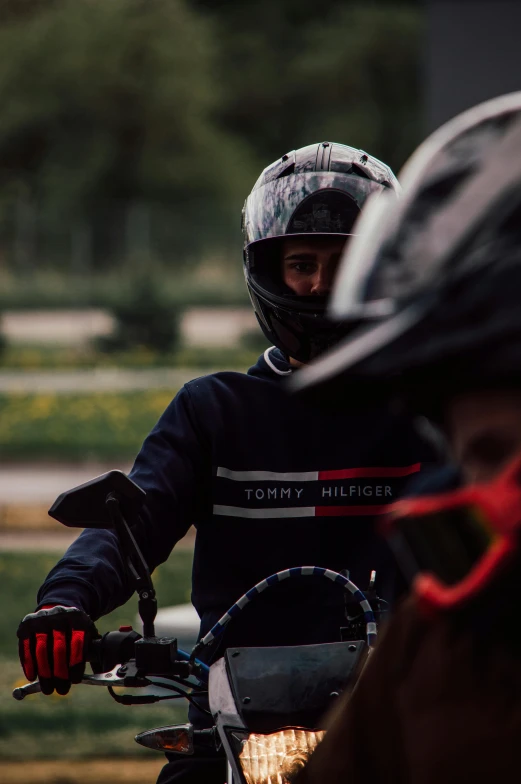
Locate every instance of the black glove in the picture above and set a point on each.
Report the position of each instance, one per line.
(53, 645)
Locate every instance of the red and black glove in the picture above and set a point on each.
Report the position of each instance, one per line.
(53, 645)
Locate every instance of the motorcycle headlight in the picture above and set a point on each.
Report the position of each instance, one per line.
(277, 758)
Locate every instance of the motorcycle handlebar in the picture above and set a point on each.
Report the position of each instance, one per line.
(24, 691)
(116, 646)
(94, 653)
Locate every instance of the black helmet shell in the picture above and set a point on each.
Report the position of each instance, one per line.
(445, 264)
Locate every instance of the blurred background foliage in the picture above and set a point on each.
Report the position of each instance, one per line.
(140, 125)
(131, 132)
(87, 722)
(78, 426)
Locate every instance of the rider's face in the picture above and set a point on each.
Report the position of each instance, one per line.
(309, 264)
(485, 431)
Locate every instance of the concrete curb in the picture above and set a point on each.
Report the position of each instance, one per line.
(22, 522)
(27, 517)
(71, 771)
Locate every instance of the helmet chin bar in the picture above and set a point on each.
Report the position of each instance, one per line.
(303, 337)
(297, 325)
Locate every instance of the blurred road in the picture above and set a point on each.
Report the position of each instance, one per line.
(35, 486)
(97, 380)
(41, 483)
(31, 541)
(27, 491)
(51, 542)
(199, 326)
(88, 771)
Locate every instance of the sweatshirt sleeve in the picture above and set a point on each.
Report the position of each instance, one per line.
(174, 469)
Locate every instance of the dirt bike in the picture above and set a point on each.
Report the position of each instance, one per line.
(267, 704)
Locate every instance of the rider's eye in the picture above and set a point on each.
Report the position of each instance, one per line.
(301, 266)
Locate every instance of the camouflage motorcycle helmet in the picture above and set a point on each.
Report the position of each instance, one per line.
(318, 190)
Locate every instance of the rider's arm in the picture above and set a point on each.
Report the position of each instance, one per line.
(172, 468)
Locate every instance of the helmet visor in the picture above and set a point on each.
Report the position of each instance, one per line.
(278, 208)
(364, 286)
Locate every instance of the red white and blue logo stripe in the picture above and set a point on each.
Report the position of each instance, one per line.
(330, 493)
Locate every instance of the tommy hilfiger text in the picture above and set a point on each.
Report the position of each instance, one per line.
(331, 491)
(274, 492)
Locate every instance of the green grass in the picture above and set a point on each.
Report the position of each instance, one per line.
(34, 357)
(78, 426)
(100, 425)
(21, 574)
(212, 283)
(213, 286)
(87, 722)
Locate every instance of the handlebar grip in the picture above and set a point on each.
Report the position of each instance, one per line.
(23, 691)
(95, 649)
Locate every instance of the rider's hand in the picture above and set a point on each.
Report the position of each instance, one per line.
(53, 645)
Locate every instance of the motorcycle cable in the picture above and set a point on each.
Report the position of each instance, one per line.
(190, 697)
(298, 571)
(129, 699)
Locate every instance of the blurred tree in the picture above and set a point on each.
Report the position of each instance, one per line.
(146, 318)
(17, 9)
(299, 71)
(111, 102)
(359, 75)
(132, 119)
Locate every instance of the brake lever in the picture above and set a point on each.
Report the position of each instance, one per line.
(114, 677)
(111, 678)
(24, 691)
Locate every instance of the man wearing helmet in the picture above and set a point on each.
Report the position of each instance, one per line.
(439, 700)
(268, 483)
(305, 203)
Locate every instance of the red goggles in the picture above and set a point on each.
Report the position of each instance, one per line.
(451, 545)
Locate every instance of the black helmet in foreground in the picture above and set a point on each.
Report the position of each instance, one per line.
(441, 268)
(318, 190)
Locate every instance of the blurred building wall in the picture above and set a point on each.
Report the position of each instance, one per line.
(473, 53)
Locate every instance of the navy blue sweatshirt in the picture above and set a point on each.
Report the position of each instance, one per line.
(269, 483)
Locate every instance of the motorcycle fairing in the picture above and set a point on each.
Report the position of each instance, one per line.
(290, 686)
